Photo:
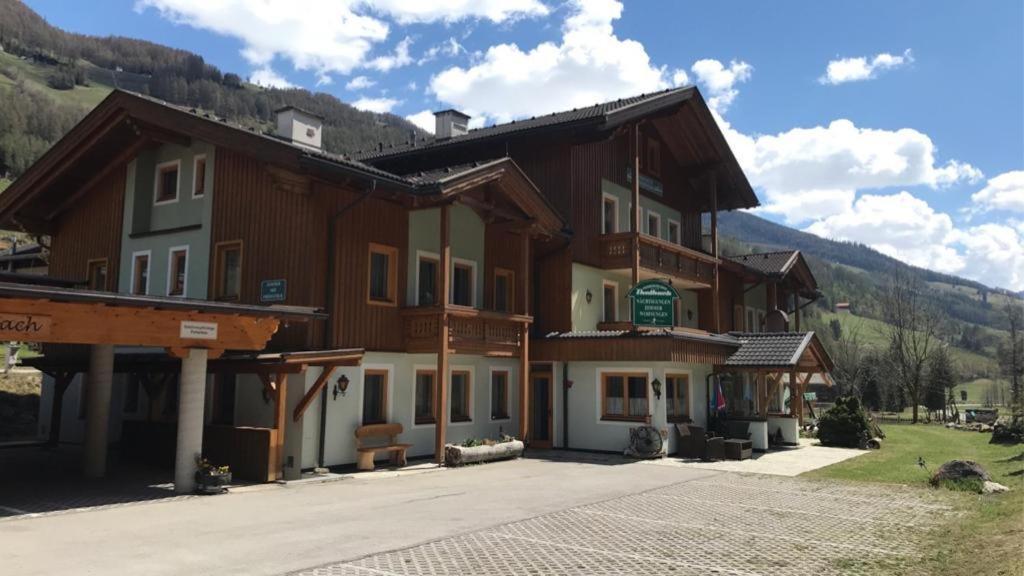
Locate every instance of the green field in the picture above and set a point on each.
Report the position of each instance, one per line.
(993, 523)
(36, 76)
(4, 183)
(981, 390)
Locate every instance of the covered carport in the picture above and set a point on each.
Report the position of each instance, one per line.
(192, 332)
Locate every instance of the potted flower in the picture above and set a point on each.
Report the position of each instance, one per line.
(211, 479)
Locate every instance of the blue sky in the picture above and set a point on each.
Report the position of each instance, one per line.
(896, 124)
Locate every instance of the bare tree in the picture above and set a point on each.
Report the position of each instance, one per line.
(1011, 358)
(913, 334)
(847, 352)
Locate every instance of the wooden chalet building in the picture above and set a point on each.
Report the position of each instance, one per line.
(477, 283)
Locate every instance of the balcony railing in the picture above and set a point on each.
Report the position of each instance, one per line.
(658, 256)
(470, 331)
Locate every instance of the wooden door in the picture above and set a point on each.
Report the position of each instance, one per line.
(541, 409)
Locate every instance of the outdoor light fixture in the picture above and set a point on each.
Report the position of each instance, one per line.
(590, 296)
(340, 386)
(656, 384)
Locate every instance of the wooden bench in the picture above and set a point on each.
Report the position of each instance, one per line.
(365, 453)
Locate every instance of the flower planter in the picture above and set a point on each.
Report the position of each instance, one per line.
(459, 455)
(208, 482)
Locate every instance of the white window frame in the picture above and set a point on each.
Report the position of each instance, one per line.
(420, 254)
(615, 288)
(195, 171)
(689, 393)
(156, 183)
(490, 392)
(472, 281)
(170, 266)
(599, 389)
(615, 200)
(679, 231)
(389, 393)
(472, 395)
(417, 368)
(149, 271)
(647, 223)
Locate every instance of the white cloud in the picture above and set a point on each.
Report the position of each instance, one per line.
(861, 68)
(994, 254)
(267, 77)
(398, 59)
(424, 119)
(450, 48)
(720, 81)
(326, 36)
(680, 78)
(1003, 192)
(378, 105)
(359, 83)
(590, 65)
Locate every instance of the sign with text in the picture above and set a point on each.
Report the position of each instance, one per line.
(649, 183)
(273, 290)
(194, 330)
(653, 303)
(24, 327)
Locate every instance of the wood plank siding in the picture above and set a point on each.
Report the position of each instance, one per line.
(91, 231)
(635, 349)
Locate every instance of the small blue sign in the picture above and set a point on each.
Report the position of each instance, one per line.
(273, 290)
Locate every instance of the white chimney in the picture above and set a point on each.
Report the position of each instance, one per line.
(299, 127)
(450, 123)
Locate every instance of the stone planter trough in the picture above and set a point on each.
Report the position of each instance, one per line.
(459, 455)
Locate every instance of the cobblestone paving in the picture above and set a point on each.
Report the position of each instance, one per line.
(730, 524)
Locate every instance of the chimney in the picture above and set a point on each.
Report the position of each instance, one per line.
(450, 123)
(299, 127)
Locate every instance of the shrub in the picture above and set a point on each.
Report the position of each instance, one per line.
(845, 424)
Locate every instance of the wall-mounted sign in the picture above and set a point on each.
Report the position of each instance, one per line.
(194, 330)
(273, 290)
(24, 327)
(649, 183)
(652, 302)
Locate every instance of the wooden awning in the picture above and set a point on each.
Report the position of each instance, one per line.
(627, 346)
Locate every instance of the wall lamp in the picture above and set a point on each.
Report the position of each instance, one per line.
(590, 296)
(340, 386)
(656, 384)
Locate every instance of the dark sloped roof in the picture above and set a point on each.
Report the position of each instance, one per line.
(725, 339)
(598, 113)
(777, 263)
(440, 175)
(769, 349)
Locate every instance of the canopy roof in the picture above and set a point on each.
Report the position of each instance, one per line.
(780, 350)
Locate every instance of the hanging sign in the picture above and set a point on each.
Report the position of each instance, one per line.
(649, 183)
(652, 302)
(24, 327)
(273, 290)
(193, 330)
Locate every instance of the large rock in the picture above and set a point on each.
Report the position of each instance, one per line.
(959, 470)
(993, 488)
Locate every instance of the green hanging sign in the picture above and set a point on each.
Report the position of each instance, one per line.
(653, 303)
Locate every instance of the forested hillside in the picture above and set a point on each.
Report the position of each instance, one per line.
(50, 78)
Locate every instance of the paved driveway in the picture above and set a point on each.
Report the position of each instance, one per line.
(529, 516)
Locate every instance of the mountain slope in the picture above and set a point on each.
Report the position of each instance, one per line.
(50, 78)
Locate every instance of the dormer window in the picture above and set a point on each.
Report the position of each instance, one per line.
(167, 182)
(199, 177)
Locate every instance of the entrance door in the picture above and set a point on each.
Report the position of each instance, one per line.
(541, 433)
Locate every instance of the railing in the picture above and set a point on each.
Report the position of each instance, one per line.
(470, 331)
(658, 256)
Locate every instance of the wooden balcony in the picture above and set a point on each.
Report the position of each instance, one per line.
(658, 257)
(471, 331)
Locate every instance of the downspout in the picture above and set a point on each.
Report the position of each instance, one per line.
(565, 405)
(329, 301)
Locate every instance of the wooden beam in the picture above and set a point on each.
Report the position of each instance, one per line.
(715, 294)
(635, 210)
(321, 380)
(118, 161)
(441, 377)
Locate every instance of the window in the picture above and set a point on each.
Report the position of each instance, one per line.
(383, 279)
(504, 296)
(97, 274)
(140, 273)
(624, 397)
(460, 407)
(611, 301)
(677, 397)
(426, 281)
(609, 214)
(653, 224)
(425, 413)
(463, 292)
(673, 232)
(228, 270)
(167, 182)
(751, 327)
(177, 271)
(375, 397)
(199, 177)
(499, 395)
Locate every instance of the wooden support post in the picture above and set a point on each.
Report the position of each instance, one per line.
(796, 311)
(311, 394)
(635, 212)
(715, 296)
(524, 346)
(280, 420)
(441, 384)
(61, 381)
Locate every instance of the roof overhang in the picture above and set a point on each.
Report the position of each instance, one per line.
(761, 352)
(626, 346)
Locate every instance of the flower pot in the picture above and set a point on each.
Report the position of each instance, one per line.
(459, 455)
(210, 482)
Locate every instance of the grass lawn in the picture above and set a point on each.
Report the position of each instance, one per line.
(988, 538)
